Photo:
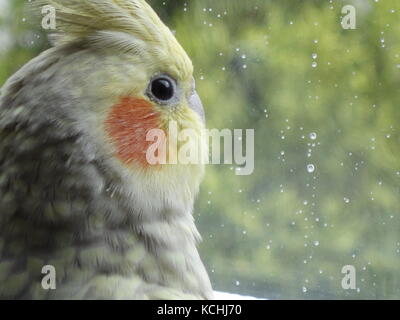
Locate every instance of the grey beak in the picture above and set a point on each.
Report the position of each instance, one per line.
(196, 105)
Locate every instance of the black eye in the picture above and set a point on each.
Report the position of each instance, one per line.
(162, 89)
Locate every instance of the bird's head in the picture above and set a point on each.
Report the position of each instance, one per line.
(123, 73)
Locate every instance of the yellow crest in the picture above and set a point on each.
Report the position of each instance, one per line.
(125, 25)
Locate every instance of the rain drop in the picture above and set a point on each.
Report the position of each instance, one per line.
(310, 168)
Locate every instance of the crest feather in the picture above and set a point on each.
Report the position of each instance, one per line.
(125, 25)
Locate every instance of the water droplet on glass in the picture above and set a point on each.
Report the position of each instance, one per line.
(310, 168)
(313, 136)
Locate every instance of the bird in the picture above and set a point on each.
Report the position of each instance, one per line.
(77, 195)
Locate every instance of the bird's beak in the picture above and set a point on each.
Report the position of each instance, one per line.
(196, 105)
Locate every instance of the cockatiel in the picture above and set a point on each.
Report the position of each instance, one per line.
(76, 192)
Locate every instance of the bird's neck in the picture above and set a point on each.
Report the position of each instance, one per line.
(94, 235)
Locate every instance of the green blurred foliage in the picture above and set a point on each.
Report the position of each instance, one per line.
(288, 69)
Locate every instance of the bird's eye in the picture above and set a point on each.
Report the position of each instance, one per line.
(162, 89)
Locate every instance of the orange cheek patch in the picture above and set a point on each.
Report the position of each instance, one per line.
(128, 124)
